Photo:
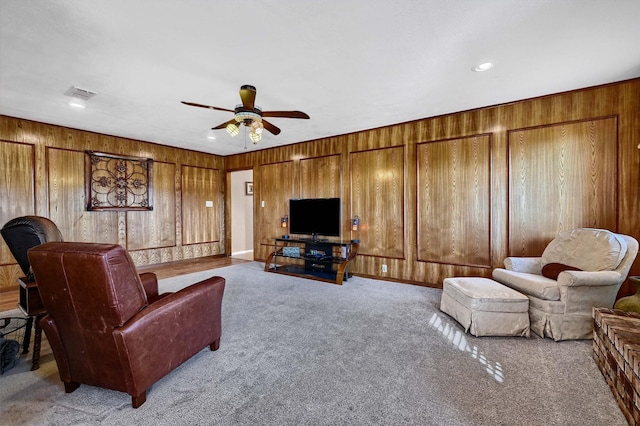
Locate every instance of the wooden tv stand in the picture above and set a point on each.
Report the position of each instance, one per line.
(323, 260)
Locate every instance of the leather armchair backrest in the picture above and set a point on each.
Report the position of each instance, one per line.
(23, 233)
(89, 290)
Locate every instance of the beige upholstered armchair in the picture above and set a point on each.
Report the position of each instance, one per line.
(578, 270)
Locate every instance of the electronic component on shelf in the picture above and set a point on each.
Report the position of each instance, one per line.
(291, 251)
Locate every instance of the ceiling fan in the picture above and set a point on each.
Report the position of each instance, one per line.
(251, 115)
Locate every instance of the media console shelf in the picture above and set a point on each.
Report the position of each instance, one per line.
(324, 260)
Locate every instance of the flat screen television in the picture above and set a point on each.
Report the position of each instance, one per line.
(315, 216)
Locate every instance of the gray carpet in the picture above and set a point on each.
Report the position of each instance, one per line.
(301, 352)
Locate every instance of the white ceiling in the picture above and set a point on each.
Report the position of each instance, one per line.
(350, 64)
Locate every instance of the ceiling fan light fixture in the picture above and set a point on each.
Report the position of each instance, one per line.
(232, 129)
(255, 137)
(257, 127)
(248, 114)
(244, 115)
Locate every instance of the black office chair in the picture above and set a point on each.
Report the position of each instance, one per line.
(21, 234)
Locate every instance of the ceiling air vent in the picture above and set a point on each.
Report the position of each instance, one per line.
(76, 92)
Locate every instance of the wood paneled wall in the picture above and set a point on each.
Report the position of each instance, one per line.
(17, 198)
(156, 228)
(454, 195)
(561, 177)
(444, 196)
(320, 177)
(276, 187)
(377, 198)
(201, 215)
(454, 201)
(42, 173)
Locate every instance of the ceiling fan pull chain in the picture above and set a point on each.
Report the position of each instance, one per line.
(245, 137)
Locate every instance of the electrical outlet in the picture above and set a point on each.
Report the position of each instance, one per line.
(384, 268)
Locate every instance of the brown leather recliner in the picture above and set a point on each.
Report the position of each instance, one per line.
(107, 325)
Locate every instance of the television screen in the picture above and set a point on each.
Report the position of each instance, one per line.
(315, 216)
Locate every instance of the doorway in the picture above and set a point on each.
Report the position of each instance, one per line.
(241, 214)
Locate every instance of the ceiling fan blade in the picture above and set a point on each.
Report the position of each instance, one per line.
(285, 114)
(225, 124)
(270, 127)
(248, 96)
(207, 106)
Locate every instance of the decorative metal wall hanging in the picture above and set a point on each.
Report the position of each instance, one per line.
(118, 183)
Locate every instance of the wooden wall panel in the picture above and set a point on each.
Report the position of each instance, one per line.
(377, 197)
(454, 201)
(17, 198)
(321, 177)
(561, 177)
(503, 122)
(156, 228)
(276, 188)
(201, 223)
(16, 188)
(67, 201)
(620, 100)
(55, 163)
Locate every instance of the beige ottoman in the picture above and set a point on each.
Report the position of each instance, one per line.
(485, 307)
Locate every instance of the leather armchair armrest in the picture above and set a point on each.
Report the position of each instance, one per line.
(589, 278)
(530, 265)
(169, 331)
(150, 284)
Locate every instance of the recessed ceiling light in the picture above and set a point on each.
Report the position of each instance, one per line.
(77, 103)
(482, 67)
